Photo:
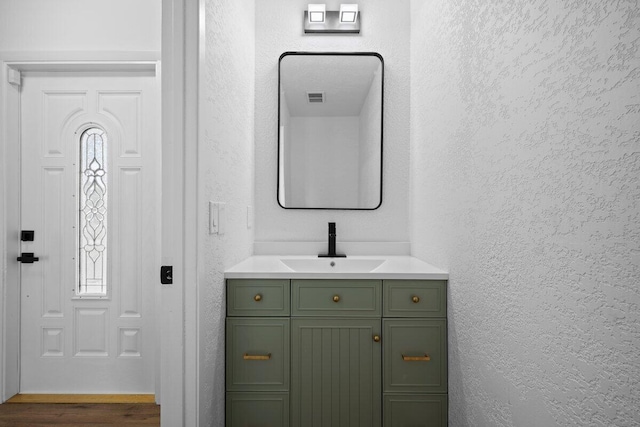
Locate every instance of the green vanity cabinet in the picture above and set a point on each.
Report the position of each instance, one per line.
(356, 353)
(258, 353)
(415, 353)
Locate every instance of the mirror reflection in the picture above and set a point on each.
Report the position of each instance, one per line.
(330, 130)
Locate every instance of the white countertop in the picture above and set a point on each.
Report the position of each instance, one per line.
(393, 267)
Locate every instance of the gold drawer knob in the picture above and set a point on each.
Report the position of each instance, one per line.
(415, 299)
(336, 298)
(257, 298)
(376, 338)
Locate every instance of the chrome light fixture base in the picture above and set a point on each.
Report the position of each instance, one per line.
(332, 24)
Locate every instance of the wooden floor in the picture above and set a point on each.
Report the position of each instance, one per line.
(78, 414)
(82, 398)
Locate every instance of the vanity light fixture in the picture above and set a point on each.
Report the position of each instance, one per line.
(319, 20)
(317, 13)
(348, 13)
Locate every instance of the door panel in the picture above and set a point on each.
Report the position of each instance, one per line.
(72, 343)
(53, 246)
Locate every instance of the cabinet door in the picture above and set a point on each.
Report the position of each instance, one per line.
(415, 410)
(415, 355)
(257, 410)
(335, 373)
(257, 354)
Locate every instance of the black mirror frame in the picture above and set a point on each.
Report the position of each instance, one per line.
(381, 125)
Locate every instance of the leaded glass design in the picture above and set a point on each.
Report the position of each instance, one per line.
(93, 213)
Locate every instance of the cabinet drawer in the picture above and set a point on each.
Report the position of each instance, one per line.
(255, 297)
(258, 354)
(415, 410)
(415, 298)
(336, 298)
(415, 355)
(257, 409)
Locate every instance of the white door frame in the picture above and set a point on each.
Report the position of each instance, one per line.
(10, 66)
(183, 31)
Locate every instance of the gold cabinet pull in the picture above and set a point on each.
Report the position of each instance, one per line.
(257, 298)
(424, 358)
(376, 338)
(257, 356)
(336, 298)
(415, 299)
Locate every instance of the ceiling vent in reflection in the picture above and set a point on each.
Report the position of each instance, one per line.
(315, 97)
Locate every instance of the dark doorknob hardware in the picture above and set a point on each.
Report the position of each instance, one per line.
(27, 235)
(166, 275)
(28, 258)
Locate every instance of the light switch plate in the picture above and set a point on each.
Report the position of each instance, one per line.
(217, 217)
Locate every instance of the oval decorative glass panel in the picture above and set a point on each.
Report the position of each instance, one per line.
(92, 257)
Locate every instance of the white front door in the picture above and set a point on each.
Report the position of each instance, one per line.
(90, 194)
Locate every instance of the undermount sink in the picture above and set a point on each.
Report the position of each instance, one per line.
(330, 265)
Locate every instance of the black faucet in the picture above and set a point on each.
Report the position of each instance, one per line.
(332, 244)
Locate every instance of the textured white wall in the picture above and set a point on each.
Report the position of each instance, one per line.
(226, 174)
(525, 142)
(80, 25)
(385, 29)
